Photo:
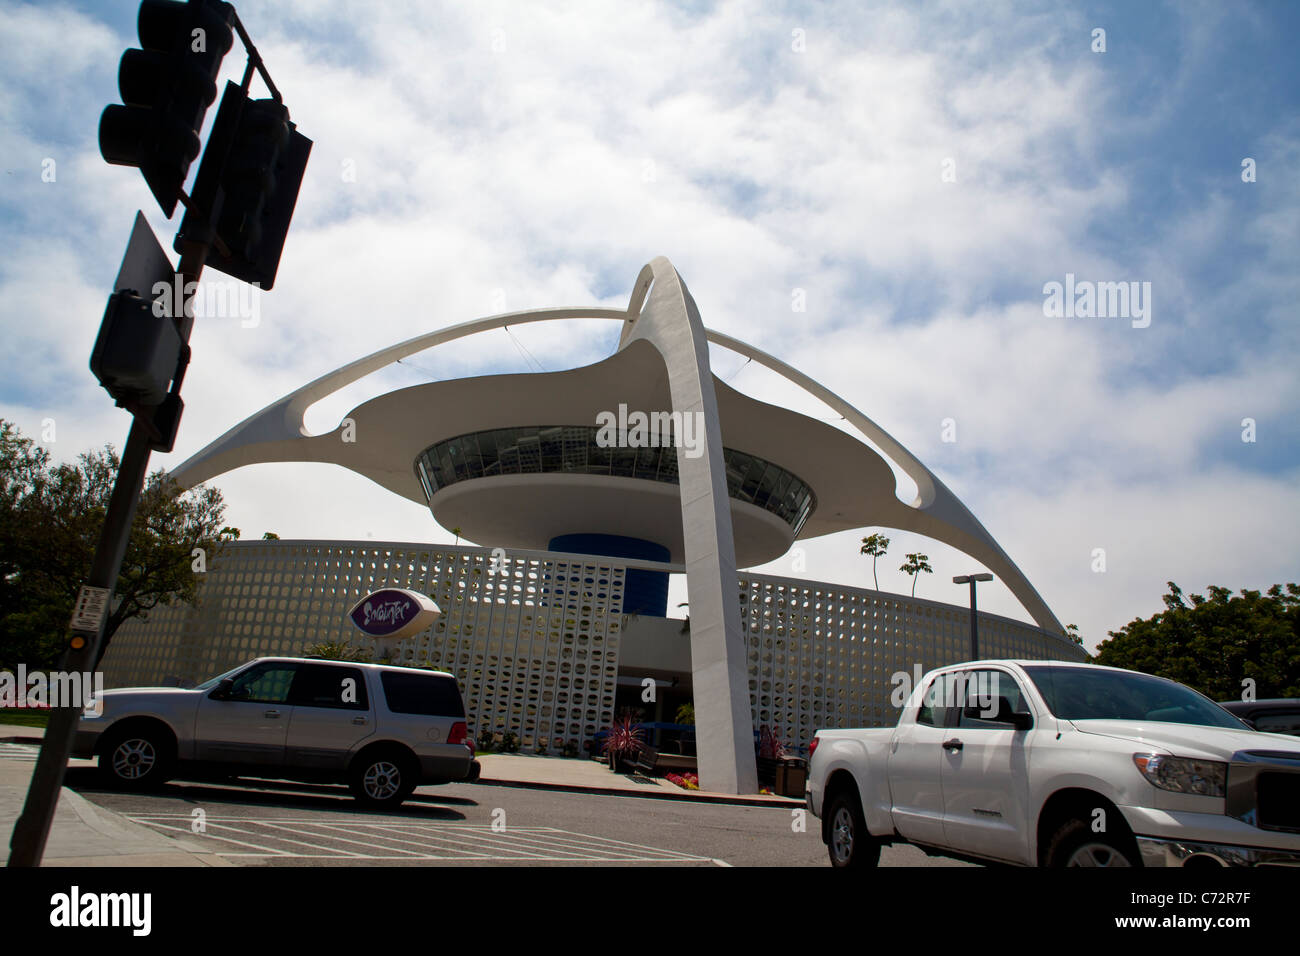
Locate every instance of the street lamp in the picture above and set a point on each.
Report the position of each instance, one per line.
(972, 580)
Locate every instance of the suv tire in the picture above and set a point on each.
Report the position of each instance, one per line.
(382, 779)
(136, 758)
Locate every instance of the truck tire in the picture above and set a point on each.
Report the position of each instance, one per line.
(848, 842)
(1074, 844)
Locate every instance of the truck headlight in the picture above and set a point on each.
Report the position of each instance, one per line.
(1208, 778)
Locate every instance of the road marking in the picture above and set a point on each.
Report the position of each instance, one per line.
(20, 751)
(451, 842)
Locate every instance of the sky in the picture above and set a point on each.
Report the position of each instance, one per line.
(879, 194)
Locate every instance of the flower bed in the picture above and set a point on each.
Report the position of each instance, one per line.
(687, 781)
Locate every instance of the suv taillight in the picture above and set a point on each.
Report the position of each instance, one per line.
(459, 733)
(812, 746)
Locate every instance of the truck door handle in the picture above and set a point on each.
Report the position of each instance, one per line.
(953, 744)
(273, 714)
(358, 720)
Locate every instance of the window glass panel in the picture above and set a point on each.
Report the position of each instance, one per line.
(266, 683)
(982, 689)
(552, 449)
(771, 475)
(752, 477)
(329, 685)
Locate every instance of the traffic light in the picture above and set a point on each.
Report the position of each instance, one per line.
(256, 158)
(167, 87)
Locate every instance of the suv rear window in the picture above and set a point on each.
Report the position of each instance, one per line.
(429, 695)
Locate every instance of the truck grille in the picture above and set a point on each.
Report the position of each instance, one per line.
(1264, 789)
(1278, 796)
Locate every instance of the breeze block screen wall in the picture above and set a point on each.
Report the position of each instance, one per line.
(532, 639)
(824, 656)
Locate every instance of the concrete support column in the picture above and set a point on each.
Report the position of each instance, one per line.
(724, 727)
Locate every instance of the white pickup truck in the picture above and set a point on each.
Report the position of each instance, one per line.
(1051, 763)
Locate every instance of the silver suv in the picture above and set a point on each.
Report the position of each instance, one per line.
(382, 729)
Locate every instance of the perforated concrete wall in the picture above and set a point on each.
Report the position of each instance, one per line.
(822, 656)
(532, 640)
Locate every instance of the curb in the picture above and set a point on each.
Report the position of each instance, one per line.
(657, 794)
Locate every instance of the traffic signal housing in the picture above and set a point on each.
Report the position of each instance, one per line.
(249, 179)
(167, 87)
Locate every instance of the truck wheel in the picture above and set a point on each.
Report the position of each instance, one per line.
(849, 843)
(1074, 844)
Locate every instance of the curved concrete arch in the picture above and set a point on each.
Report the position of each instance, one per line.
(282, 420)
(936, 512)
(671, 323)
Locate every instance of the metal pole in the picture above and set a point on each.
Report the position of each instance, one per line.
(974, 625)
(32, 830)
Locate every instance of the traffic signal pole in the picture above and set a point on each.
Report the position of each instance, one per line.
(85, 649)
(251, 172)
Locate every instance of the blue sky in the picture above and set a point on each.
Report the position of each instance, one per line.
(539, 154)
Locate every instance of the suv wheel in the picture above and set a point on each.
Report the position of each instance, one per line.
(849, 844)
(135, 759)
(1074, 844)
(382, 780)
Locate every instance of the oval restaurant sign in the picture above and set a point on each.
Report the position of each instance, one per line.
(393, 613)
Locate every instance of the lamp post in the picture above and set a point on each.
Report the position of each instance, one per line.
(972, 580)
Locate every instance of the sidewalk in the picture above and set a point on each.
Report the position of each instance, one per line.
(589, 776)
(83, 834)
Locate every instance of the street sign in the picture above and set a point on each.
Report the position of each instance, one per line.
(145, 263)
(88, 613)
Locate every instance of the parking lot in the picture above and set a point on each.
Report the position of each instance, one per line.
(259, 823)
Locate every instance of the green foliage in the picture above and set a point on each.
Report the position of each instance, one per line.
(685, 714)
(270, 536)
(917, 563)
(339, 651)
(874, 545)
(509, 742)
(50, 520)
(1072, 632)
(1215, 643)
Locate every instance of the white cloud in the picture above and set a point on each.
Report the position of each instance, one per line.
(549, 170)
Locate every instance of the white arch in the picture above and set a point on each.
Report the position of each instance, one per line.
(936, 512)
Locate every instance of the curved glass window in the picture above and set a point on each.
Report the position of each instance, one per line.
(549, 449)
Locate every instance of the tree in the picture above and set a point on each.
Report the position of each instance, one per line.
(1072, 632)
(1221, 645)
(50, 520)
(916, 563)
(874, 545)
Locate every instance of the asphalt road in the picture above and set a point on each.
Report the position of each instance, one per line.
(256, 823)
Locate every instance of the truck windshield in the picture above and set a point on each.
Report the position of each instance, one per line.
(1081, 693)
